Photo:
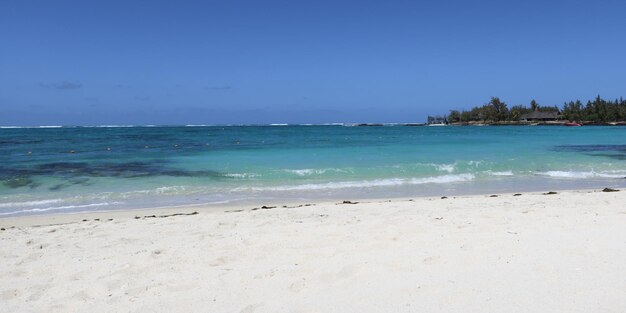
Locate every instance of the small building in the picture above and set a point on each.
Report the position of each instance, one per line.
(541, 116)
(437, 120)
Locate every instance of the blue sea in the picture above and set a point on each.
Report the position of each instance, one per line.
(47, 170)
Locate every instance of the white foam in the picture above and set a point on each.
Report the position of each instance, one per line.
(311, 171)
(305, 172)
(503, 173)
(115, 126)
(577, 174)
(29, 203)
(241, 175)
(165, 191)
(66, 207)
(367, 183)
(445, 167)
(169, 189)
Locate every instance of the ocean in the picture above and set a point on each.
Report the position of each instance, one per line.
(47, 170)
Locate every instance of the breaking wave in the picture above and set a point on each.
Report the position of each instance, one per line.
(367, 183)
(58, 208)
(502, 173)
(320, 171)
(577, 174)
(29, 203)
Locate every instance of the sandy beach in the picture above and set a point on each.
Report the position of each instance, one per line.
(534, 252)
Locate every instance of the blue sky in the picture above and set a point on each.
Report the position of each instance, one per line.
(207, 62)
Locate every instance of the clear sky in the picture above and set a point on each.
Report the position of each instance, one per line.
(207, 62)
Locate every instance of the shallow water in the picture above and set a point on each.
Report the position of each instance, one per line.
(69, 169)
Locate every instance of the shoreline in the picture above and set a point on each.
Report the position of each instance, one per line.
(63, 218)
(506, 185)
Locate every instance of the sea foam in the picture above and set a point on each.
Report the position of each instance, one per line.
(58, 208)
(319, 171)
(29, 203)
(579, 174)
(366, 183)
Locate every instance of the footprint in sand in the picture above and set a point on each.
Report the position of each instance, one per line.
(346, 272)
(219, 261)
(18, 272)
(431, 260)
(38, 292)
(9, 294)
(251, 308)
(181, 287)
(298, 285)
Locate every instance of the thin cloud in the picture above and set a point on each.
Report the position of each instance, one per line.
(64, 85)
(219, 88)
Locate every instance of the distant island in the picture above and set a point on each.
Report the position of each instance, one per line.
(496, 112)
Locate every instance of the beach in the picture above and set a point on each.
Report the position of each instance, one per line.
(534, 252)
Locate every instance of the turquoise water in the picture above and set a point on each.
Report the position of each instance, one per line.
(70, 169)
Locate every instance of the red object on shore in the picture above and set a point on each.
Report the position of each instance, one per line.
(572, 124)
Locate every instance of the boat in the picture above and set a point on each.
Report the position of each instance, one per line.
(572, 124)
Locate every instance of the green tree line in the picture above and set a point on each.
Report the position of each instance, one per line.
(598, 111)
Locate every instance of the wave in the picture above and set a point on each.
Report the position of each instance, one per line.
(165, 191)
(114, 126)
(312, 171)
(367, 183)
(461, 166)
(215, 192)
(29, 203)
(416, 168)
(66, 207)
(241, 175)
(503, 173)
(444, 167)
(578, 174)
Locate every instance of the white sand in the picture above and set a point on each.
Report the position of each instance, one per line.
(532, 253)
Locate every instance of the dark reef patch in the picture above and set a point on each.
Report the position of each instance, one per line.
(20, 142)
(78, 173)
(17, 182)
(58, 187)
(615, 156)
(617, 152)
(590, 148)
(124, 170)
